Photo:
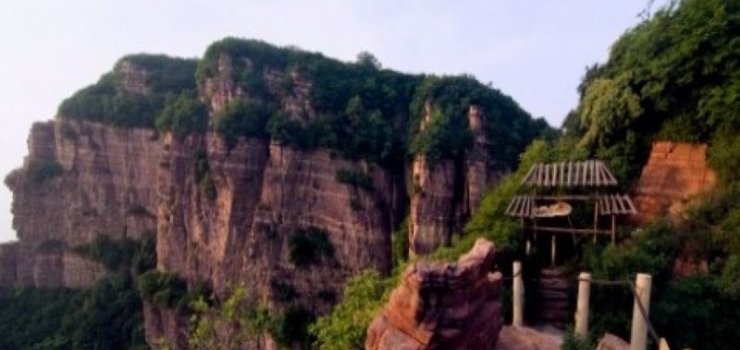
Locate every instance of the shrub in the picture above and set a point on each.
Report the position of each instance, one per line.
(292, 327)
(310, 246)
(401, 243)
(206, 185)
(183, 115)
(283, 291)
(106, 315)
(45, 169)
(346, 326)
(242, 119)
(113, 254)
(572, 341)
(354, 178)
(164, 289)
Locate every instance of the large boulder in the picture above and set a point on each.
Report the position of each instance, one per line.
(443, 306)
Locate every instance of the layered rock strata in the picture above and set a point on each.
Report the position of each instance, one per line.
(443, 306)
(674, 174)
(79, 180)
(446, 192)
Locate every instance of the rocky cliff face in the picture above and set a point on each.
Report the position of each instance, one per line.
(79, 180)
(445, 306)
(445, 193)
(674, 173)
(290, 223)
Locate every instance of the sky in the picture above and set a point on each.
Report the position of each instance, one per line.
(534, 51)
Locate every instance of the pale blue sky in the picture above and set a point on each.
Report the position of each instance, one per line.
(535, 51)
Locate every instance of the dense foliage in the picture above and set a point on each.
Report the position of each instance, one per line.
(358, 109)
(355, 178)
(109, 102)
(345, 328)
(183, 115)
(310, 246)
(121, 253)
(106, 316)
(674, 76)
(239, 320)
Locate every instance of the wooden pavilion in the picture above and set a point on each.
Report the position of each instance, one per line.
(560, 184)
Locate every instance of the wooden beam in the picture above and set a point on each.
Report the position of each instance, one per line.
(566, 197)
(568, 230)
(529, 173)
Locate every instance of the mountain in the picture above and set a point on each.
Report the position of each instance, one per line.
(274, 170)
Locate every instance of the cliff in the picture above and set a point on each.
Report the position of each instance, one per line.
(276, 169)
(79, 180)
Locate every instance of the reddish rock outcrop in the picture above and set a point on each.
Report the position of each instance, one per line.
(675, 173)
(443, 306)
(523, 338)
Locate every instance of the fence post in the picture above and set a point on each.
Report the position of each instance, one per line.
(518, 295)
(638, 340)
(584, 294)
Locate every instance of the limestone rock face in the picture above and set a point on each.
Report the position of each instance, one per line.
(443, 306)
(445, 193)
(79, 180)
(264, 195)
(675, 173)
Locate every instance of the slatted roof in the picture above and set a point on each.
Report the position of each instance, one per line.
(615, 205)
(525, 206)
(570, 174)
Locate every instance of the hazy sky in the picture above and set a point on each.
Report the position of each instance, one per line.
(535, 51)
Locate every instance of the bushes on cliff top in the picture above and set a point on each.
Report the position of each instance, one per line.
(357, 109)
(366, 112)
(106, 102)
(242, 119)
(672, 77)
(183, 115)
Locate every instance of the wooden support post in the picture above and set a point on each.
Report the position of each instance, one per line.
(518, 296)
(528, 247)
(553, 251)
(638, 340)
(596, 220)
(584, 294)
(614, 230)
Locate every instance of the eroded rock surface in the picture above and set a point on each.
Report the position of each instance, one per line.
(674, 174)
(446, 192)
(79, 180)
(443, 306)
